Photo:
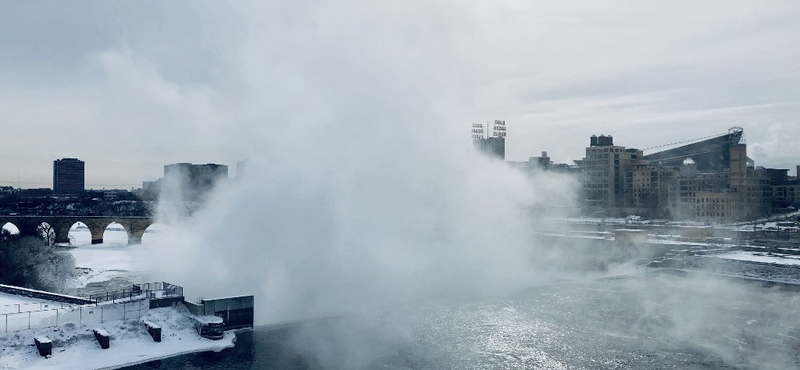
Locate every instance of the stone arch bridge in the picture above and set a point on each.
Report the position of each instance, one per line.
(28, 225)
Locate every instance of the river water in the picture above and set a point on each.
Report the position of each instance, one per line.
(648, 321)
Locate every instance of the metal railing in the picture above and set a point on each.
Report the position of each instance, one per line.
(31, 306)
(137, 292)
(89, 315)
(129, 303)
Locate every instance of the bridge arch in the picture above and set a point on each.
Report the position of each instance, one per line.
(114, 233)
(150, 232)
(10, 226)
(97, 226)
(61, 226)
(28, 227)
(75, 233)
(136, 229)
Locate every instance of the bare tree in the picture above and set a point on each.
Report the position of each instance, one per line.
(31, 262)
(47, 232)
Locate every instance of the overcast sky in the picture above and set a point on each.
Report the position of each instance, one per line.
(130, 86)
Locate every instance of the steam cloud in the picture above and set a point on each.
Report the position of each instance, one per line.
(365, 189)
(353, 226)
(362, 190)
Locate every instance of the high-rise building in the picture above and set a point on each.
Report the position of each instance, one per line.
(604, 172)
(68, 176)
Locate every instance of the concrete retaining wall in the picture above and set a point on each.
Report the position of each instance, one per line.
(165, 302)
(224, 304)
(236, 312)
(195, 309)
(38, 294)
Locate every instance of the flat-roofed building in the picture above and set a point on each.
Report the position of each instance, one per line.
(68, 176)
(606, 169)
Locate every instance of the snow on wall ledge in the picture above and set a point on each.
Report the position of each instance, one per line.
(39, 294)
(74, 346)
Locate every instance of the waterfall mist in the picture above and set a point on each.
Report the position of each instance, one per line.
(362, 187)
(364, 224)
(362, 193)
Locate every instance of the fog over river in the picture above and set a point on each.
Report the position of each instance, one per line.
(648, 321)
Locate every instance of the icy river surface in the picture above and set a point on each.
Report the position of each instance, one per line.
(654, 320)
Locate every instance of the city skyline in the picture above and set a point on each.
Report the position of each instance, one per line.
(655, 149)
(127, 92)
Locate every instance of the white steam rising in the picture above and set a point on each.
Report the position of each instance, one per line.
(363, 225)
(363, 188)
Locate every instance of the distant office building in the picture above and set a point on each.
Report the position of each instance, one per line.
(68, 176)
(193, 181)
(152, 186)
(604, 172)
(151, 189)
(646, 188)
(543, 162)
(493, 146)
(241, 169)
(786, 195)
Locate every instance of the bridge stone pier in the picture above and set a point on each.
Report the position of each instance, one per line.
(27, 225)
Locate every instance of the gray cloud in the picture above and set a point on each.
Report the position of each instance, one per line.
(131, 86)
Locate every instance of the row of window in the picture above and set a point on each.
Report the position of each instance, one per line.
(713, 214)
(719, 206)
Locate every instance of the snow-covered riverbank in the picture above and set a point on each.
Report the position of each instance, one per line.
(103, 267)
(74, 346)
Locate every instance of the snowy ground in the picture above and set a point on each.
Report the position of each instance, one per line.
(103, 266)
(760, 257)
(110, 264)
(10, 299)
(113, 263)
(10, 303)
(775, 223)
(74, 346)
(101, 263)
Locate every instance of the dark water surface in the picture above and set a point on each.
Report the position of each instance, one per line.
(653, 321)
